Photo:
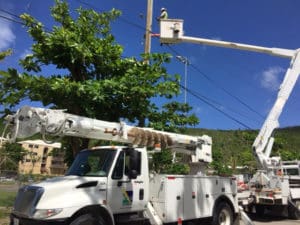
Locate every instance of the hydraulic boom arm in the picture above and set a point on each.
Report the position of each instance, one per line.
(28, 121)
(263, 143)
(171, 31)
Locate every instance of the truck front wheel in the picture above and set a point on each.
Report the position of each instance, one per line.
(87, 219)
(223, 214)
(294, 210)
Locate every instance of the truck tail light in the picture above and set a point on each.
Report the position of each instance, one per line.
(179, 221)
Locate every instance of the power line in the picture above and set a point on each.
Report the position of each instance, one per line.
(196, 95)
(120, 18)
(219, 105)
(9, 13)
(12, 20)
(18, 21)
(218, 86)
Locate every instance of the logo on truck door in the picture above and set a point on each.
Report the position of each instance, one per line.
(127, 197)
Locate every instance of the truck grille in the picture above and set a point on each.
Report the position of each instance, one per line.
(294, 182)
(26, 200)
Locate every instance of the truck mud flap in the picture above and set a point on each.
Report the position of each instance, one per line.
(244, 217)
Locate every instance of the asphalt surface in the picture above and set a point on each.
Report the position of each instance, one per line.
(271, 219)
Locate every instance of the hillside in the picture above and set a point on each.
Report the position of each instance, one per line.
(233, 147)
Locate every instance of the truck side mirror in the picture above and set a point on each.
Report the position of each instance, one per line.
(134, 163)
(133, 174)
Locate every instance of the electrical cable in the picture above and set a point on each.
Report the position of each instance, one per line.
(121, 18)
(219, 105)
(16, 21)
(12, 20)
(218, 86)
(196, 95)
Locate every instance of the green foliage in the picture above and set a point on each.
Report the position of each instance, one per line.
(162, 163)
(10, 155)
(233, 148)
(5, 54)
(173, 117)
(287, 143)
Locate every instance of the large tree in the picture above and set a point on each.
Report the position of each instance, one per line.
(92, 78)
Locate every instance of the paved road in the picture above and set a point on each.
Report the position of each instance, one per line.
(278, 222)
(272, 220)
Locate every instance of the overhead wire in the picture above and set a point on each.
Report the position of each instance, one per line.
(205, 100)
(9, 13)
(18, 17)
(120, 18)
(11, 19)
(214, 102)
(219, 86)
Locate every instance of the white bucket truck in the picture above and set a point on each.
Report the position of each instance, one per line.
(112, 185)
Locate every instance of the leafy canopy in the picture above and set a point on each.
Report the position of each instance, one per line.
(10, 155)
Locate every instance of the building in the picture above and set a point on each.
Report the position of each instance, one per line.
(2, 141)
(42, 158)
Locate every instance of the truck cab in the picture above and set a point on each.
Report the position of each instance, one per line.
(111, 180)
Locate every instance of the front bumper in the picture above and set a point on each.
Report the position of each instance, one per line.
(16, 220)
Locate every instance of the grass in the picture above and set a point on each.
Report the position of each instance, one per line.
(7, 198)
(4, 216)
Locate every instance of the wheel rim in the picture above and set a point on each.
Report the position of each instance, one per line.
(298, 205)
(224, 217)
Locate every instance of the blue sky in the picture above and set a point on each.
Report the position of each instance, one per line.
(219, 75)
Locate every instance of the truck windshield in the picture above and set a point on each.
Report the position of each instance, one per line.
(94, 163)
(292, 171)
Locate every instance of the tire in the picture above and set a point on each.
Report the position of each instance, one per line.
(222, 214)
(87, 219)
(294, 213)
(260, 210)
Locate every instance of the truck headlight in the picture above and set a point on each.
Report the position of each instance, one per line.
(45, 213)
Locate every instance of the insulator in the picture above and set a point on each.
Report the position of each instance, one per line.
(150, 138)
(163, 141)
(143, 137)
(156, 138)
(169, 140)
(133, 135)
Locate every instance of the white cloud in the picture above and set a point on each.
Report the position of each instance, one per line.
(7, 37)
(25, 53)
(197, 110)
(270, 78)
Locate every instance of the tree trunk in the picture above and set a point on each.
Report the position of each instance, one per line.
(78, 144)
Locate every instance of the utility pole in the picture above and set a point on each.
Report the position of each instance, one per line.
(148, 27)
(147, 44)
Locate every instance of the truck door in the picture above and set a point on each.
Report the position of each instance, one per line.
(125, 190)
